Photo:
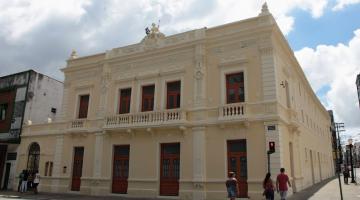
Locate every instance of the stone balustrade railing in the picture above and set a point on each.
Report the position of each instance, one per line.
(145, 118)
(77, 123)
(232, 111)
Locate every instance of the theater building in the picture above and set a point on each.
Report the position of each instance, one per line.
(172, 115)
(25, 97)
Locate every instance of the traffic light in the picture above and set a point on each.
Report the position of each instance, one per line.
(271, 147)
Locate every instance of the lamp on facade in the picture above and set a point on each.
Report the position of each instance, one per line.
(282, 84)
(351, 161)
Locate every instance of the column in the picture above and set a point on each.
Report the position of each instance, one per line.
(199, 162)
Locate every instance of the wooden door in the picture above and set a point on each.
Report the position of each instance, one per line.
(120, 169)
(237, 162)
(77, 168)
(170, 169)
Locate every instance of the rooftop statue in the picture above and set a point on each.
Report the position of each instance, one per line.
(73, 54)
(153, 34)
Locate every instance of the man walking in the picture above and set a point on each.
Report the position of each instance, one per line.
(281, 184)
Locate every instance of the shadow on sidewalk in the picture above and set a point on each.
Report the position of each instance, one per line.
(310, 191)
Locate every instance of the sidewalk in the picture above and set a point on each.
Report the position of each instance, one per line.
(329, 190)
(326, 190)
(11, 195)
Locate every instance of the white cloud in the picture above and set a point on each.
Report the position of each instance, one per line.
(341, 4)
(337, 67)
(18, 17)
(21, 16)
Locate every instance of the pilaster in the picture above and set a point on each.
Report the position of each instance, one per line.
(105, 84)
(59, 145)
(272, 134)
(268, 72)
(99, 141)
(65, 100)
(98, 153)
(200, 76)
(199, 162)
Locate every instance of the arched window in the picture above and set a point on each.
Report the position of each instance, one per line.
(34, 157)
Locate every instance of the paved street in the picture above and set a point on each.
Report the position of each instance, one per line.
(326, 190)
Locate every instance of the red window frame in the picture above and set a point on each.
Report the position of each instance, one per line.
(147, 102)
(124, 101)
(83, 106)
(173, 94)
(235, 83)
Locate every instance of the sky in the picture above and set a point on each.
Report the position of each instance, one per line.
(324, 34)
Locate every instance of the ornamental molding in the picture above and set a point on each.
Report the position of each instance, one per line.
(232, 60)
(266, 51)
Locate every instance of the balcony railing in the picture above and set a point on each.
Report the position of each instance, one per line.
(145, 118)
(232, 111)
(77, 123)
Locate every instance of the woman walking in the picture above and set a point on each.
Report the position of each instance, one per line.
(232, 186)
(268, 186)
(36, 181)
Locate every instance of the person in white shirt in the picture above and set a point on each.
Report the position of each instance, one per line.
(36, 181)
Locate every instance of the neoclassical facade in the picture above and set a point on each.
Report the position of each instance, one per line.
(172, 115)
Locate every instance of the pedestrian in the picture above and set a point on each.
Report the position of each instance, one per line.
(232, 186)
(36, 181)
(346, 174)
(21, 176)
(30, 180)
(268, 186)
(281, 184)
(24, 181)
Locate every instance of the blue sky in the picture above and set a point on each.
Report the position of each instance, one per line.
(331, 28)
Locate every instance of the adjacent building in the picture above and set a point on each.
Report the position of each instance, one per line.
(336, 146)
(25, 98)
(172, 115)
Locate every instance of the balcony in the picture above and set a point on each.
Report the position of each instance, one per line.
(152, 118)
(232, 111)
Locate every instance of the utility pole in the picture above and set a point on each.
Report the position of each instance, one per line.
(339, 127)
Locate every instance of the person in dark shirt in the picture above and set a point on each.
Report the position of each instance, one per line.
(232, 186)
(24, 181)
(346, 174)
(268, 186)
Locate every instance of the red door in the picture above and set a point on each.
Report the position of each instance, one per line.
(77, 168)
(170, 169)
(237, 163)
(120, 169)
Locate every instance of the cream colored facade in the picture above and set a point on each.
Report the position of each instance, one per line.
(279, 106)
